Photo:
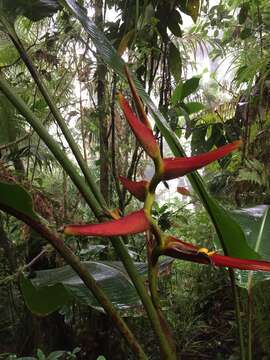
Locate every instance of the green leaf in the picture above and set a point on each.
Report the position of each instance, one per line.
(41, 355)
(16, 197)
(46, 299)
(110, 275)
(184, 89)
(173, 24)
(245, 33)
(243, 13)
(33, 9)
(175, 62)
(193, 107)
(55, 355)
(229, 232)
(255, 222)
(193, 8)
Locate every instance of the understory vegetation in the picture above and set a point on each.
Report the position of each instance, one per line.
(106, 108)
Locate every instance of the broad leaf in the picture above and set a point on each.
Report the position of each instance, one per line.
(230, 233)
(175, 62)
(185, 89)
(256, 225)
(110, 275)
(16, 197)
(33, 9)
(173, 24)
(193, 107)
(46, 299)
(191, 8)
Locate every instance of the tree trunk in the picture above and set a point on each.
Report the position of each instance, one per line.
(102, 111)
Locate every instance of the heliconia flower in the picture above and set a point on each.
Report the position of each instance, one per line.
(136, 188)
(133, 223)
(144, 135)
(183, 191)
(177, 248)
(137, 100)
(175, 167)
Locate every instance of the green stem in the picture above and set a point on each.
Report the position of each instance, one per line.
(52, 145)
(237, 308)
(84, 274)
(56, 113)
(166, 346)
(250, 313)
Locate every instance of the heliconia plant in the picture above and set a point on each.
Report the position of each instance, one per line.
(142, 220)
(158, 242)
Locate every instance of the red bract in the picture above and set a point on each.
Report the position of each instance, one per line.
(179, 249)
(133, 223)
(136, 188)
(175, 167)
(137, 100)
(144, 135)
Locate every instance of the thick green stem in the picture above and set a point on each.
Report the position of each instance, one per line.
(167, 349)
(84, 274)
(250, 319)
(56, 113)
(238, 314)
(52, 145)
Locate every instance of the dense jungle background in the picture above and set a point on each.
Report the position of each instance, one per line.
(206, 67)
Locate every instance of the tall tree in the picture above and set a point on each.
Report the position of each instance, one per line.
(102, 110)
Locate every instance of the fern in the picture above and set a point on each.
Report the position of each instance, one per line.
(253, 172)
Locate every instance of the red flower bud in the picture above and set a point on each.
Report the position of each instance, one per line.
(175, 167)
(133, 223)
(136, 188)
(144, 135)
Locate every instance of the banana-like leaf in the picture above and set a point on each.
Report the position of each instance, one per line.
(255, 222)
(33, 9)
(14, 196)
(229, 231)
(44, 300)
(110, 275)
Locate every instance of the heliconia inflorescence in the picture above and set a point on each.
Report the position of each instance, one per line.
(165, 169)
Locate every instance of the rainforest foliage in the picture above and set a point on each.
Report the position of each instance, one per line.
(134, 179)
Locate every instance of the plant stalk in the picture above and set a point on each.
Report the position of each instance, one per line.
(237, 308)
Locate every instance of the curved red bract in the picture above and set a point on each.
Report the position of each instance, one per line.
(136, 188)
(176, 167)
(133, 223)
(144, 135)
